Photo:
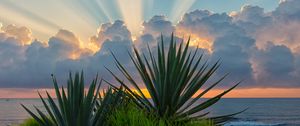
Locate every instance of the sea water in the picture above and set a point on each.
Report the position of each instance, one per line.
(261, 111)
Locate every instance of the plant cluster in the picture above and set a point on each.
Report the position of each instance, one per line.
(173, 77)
(76, 107)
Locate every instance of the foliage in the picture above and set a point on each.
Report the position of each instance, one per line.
(200, 123)
(75, 106)
(130, 115)
(30, 122)
(172, 78)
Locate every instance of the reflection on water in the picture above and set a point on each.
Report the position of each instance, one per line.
(11, 111)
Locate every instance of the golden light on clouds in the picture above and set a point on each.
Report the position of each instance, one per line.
(93, 47)
(201, 43)
(133, 38)
(197, 41)
(74, 56)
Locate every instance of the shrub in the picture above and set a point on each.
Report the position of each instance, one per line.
(75, 106)
(172, 78)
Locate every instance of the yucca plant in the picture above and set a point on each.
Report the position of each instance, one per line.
(75, 107)
(172, 78)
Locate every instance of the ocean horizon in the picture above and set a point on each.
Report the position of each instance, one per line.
(260, 112)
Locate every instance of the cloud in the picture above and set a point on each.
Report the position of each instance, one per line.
(260, 47)
(153, 29)
(280, 26)
(251, 18)
(277, 42)
(275, 66)
(158, 25)
(112, 38)
(22, 34)
(111, 31)
(11, 52)
(287, 9)
(230, 42)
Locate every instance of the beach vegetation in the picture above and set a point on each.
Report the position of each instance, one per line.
(75, 107)
(172, 76)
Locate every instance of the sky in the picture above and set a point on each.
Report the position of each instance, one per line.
(257, 40)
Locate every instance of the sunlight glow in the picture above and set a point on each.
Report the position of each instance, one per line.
(133, 38)
(198, 41)
(132, 13)
(93, 47)
(237, 93)
(74, 56)
(201, 43)
(246, 93)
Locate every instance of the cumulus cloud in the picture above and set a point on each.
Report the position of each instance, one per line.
(111, 31)
(260, 47)
(275, 66)
(230, 42)
(280, 26)
(153, 29)
(22, 34)
(158, 25)
(288, 9)
(277, 40)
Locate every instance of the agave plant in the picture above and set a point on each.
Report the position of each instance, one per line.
(75, 107)
(172, 78)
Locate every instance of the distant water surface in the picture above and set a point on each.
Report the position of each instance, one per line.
(261, 112)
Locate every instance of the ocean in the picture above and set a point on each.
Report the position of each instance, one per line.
(261, 112)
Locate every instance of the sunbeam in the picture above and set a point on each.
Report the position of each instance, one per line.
(48, 20)
(42, 29)
(179, 8)
(104, 9)
(148, 8)
(132, 14)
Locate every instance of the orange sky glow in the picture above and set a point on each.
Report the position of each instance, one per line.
(237, 93)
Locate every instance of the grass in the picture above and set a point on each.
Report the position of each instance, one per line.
(131, 115)
(30, 122)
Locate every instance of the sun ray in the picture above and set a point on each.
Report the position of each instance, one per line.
(13, 17)
(30, 14)
(148, 8)
(57, 15)
(179, 8)
(132, 14)
(100, 4)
